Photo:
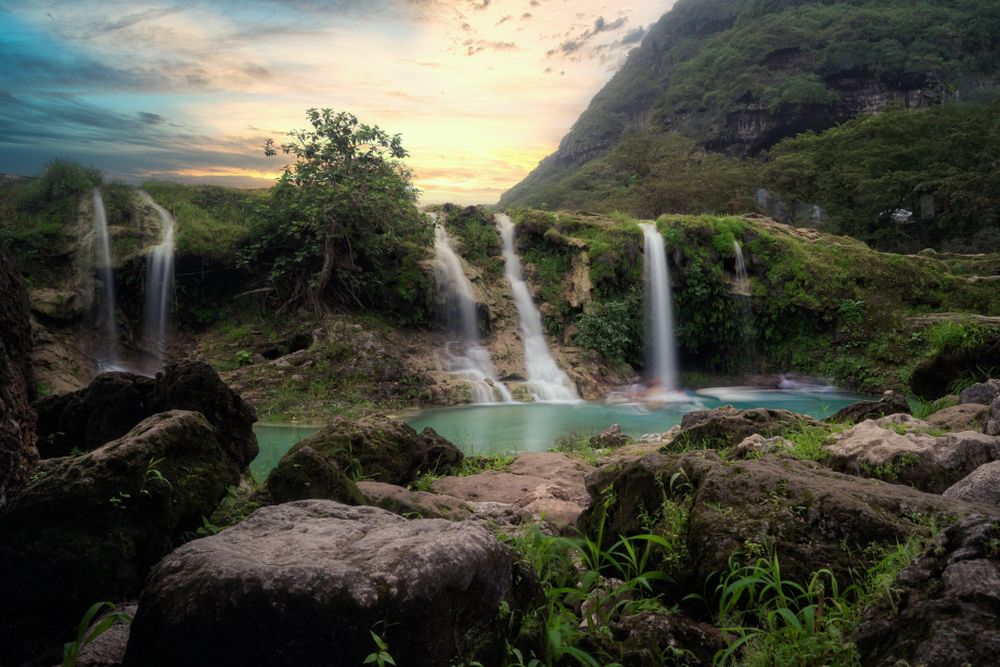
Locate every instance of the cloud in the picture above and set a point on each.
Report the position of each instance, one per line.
(633, 36)
(474, 46)
(571, 46)
(151, 118)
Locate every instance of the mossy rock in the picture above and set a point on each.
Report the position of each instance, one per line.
(725, 427)
(305, 474)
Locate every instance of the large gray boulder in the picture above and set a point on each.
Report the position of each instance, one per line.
(982, 485)
(721, 428)
(891, 403)
(982, 393)
(421, 504)
(382, 449)
(945, 610)
(904, 450)
(811, 516)
(304, 583)
(964, 417)
(17, 420)
(305, 474)
(993, 419)
(90, 527)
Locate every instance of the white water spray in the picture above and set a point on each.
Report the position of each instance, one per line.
(546, 381)
(159, 285)
(466, 358)
(661, 350)
(742, 292)
(108, 358)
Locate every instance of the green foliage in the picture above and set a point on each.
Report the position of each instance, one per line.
(922, 409)
(613, 329)
(342, 226)
(380, 657)
(957, 336)
(87, 631)
(478, 240)
(941, 164)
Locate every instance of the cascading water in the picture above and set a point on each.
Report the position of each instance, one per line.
(742, 292)
(661, 350)
(546, 381)
(108, 353)
(159, 285)
(466, 358)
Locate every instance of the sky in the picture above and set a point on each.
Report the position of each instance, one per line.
(480, 90)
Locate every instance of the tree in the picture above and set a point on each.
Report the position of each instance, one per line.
(343, 219)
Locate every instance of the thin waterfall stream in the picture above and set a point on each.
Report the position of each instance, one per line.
(742, 292)
(107, 354)
(159, 285)
(661, 348)
(546, 381)
(466, 357)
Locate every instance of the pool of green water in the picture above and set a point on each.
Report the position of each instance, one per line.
(489, 429)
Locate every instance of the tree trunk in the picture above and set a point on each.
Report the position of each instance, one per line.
(317, 292)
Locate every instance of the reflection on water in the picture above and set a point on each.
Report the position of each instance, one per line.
(483, 429)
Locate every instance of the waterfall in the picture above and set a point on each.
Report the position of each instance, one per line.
(661, 350)
(546, 381)
(742, 292)
(159, 285)
(108, 358)
(466, 358)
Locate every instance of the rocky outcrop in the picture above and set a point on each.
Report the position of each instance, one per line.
(546, 485)
(725, 427)
(610, 438)
(410, 504)
(933, 378)
(298, 583)
(946, 606)
(981, 393)
(17, 419)
(89, 527)
(757, 446)
(965, 417)
(993, 421)
(115, 402)
(904, 450)
(982, 485)
(382, 449)
(811, 516)
(891, 403)
(305, 474)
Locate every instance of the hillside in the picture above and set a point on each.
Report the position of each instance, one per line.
(738, 76)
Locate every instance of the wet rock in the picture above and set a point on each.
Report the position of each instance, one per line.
(725, 427)
(298, 583)
(982, 485)
(904, 450)
(305, 474)
(966, 417)
(17, 420)
(116, 402)
(408, 503)
(946, 610)
(891, 403)
(57, 304)
(982, 393)
(89, 527)
(757, 446)
(813, 517)
(382, 449)
(548, 485)
(610, 438)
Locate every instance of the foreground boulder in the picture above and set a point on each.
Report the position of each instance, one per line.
(89, 528)
(981, 486)
(381, 449)
(903, 450)
(964, 417)
(993, 419)
(305, 474)
(982, 393)
(725, 427)
(17, 420)
(812, 517)
(115, 402)
(891, 403)
(421, 504)
(946, 608)
(304, 583)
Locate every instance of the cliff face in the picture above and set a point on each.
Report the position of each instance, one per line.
(737, 76)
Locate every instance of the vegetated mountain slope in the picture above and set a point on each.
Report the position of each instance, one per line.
(737, 76)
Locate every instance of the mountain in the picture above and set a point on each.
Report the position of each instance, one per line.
(735, 77)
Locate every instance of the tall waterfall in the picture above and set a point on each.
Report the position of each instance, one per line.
(546, 381)
(661, 350)
(159, 285)
(742, 292)
(108, 352)
(466, 358)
